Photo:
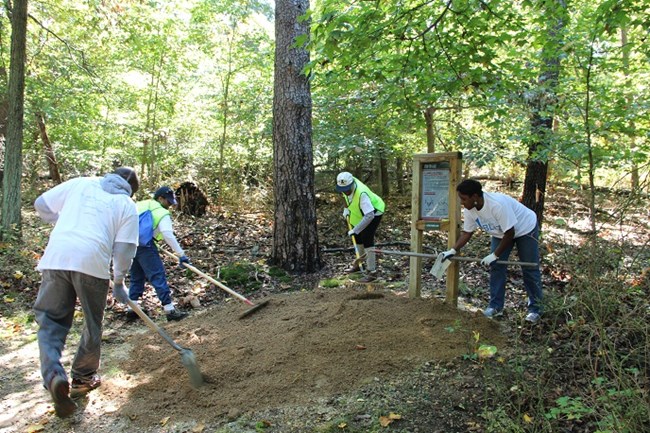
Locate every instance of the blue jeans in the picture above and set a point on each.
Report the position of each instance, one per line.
(147, 266)
(54, 312)
(528, 250)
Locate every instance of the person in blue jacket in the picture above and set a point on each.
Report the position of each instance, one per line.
(147, 264)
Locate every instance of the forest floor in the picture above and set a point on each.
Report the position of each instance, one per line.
(327, 354)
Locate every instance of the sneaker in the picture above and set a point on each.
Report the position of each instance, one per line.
(60, 391)
(368, 278)
(176, 315)
(533, 318)
(132, 316)
(491, 313)
(82, 387)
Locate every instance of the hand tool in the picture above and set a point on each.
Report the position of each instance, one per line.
(359, 259)
(187, 356)
(222, 286)
(440, 266)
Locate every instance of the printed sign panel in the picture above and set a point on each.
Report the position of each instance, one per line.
(434, 205)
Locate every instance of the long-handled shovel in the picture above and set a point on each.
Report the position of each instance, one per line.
(359, 259)
(440, 266)
(222, 286)
(187, 356)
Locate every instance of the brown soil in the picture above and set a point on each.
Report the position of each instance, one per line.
(302, 349)
(299, 348)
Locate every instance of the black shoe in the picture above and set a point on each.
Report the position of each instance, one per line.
(176, 315)
(82, 387)
(60, 391)
(132, 316)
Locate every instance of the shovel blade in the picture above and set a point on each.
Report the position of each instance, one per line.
(440, 267)
(189, 362)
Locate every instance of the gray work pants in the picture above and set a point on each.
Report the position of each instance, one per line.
(54, 312)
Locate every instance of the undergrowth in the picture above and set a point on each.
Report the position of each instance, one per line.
(585, 368)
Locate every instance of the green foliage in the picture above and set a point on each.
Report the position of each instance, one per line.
(569, 408)
(330, 283)
(597, 331)
(240, 274)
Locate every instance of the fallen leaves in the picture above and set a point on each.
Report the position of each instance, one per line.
(33, 428)
(385, 421)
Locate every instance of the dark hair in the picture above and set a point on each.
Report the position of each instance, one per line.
(470, 187)
(129, 175)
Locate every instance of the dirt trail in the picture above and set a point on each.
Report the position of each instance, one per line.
(302, 348)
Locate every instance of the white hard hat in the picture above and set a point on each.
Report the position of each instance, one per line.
(344, 181)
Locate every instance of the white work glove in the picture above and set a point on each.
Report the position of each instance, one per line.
(346, 213)
(487, 260)
(448, 254)
(119, 292)
(351, 233)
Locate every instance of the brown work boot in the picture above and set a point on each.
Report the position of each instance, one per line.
(60, 391)
(81, 387)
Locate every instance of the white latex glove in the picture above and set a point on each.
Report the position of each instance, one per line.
(119, 292)
(346, 213)
(351, 233)
(448, 254)
(489, 259)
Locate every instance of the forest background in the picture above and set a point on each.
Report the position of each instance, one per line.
(537, 94)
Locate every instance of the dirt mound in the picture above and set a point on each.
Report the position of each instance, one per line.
(302, 347)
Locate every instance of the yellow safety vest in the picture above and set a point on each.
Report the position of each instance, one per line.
(157, 212)
(354, 205)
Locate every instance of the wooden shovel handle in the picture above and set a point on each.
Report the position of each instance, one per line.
(209, 278)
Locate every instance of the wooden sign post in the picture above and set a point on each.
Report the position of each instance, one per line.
(435, 206)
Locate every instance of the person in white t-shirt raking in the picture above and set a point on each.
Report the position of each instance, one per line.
(95, 222)
(509, 223)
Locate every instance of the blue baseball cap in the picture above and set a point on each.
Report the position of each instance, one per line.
(167, 193)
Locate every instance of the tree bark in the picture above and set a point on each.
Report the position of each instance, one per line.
(399, 173)
(11, 218)
(50, 157)
(540, 121)
(431, 136)
(295, 238)
(383, 170)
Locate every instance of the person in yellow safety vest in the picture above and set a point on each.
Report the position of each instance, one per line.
(364, 210)
(147, 264)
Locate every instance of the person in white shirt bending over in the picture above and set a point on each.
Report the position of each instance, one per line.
(509, 223)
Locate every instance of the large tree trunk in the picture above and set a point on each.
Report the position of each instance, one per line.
(295, 238)
(11, 220)
(383, 170)
(431, 136)
(399, 174)
(540, 121)
(50, 157)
